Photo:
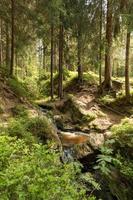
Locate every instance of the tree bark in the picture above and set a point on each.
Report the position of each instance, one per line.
(108, 69)
(55, 58)
(44, 56)
(1, 49)
(61, 37)
(100, 47)
(52, 59)
(127, 86)
(12, 38)
(80, 70)
(7, 48)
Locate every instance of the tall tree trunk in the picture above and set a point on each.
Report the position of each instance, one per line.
(7, 48)
(55, 57)
(44, 55)
(100, 47)
(61, 37)
(1, 49)
(52, 59)
(108, 69)
(127, 87)
(80, 70)
(12, 38)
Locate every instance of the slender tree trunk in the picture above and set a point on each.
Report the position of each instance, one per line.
(100, 48)
(80, 70)
(12, 38)
(1, 49)
(16, 65)
(127, 87)
(52, 59)
(61, 37)
(55, 58)
(44, 56)
(7, 48)
(108, 69)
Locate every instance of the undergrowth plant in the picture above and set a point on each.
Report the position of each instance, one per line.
(35, 172)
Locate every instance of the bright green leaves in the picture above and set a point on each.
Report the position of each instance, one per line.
(34, 172)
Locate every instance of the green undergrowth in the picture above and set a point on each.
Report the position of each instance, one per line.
(31, 169)
(70, 82)
(30, 129)
(26, 89)
(116, 160)
(35, 172)
(120, 99)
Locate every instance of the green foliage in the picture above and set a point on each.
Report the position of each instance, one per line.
(31, 84)
(31, 128)
(35, 172)
(26, 89)
(106, 159)
(41, 127)
(90, 78)
(17, 87)
(116, 160)
(87, 118)
(19, 111)
(17, 128)
(123, 133)
(88, 178)
(107, 99)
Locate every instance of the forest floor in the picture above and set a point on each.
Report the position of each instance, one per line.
(79, 114)
(81, 117)
(9, 101)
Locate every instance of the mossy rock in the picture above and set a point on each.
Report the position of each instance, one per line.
(71, 106)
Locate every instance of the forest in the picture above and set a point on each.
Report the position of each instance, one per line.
(66, 99)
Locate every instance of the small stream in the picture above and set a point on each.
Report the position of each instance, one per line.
(88, 162)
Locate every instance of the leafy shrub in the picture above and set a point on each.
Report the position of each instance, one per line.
(88, 118)
(32, 128)
(35, 172)
(17, 128)
(90, 78)
(26, 89)
(41, 127)
(107, 99)
(123, 133)
(116, 160)
(18, 88)
(19, 111)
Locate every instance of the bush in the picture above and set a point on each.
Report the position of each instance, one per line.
(116, 160)
(19, 111)
(17, 128)
(123, 133)
(107, 99)
(36, 173)
(26, 89)
(32, 87)
(32, 129)
(18, 88)
(41, 127)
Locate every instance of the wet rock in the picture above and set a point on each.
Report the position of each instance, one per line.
(82, 144)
